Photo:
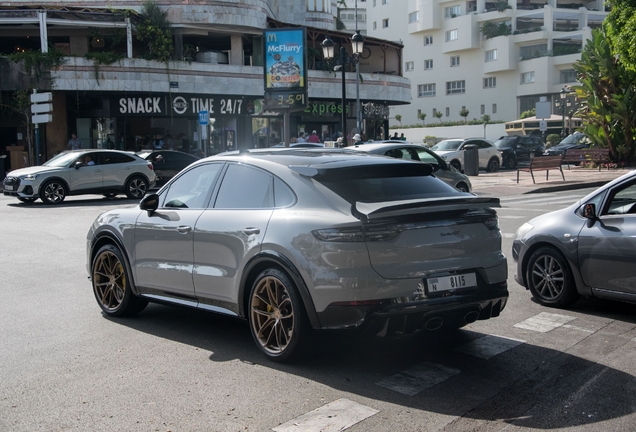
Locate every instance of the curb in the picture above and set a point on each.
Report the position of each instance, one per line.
(574, 186)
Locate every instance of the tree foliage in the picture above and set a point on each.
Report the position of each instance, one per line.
(464, 113)
(156, 31)
(607, 96)
(620, 27)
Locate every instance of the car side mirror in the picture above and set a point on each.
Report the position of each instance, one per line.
(150, 203)
(78, 164)
(589, 211)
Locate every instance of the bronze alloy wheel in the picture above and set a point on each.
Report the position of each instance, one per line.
(549, 278)
(111, 284)
(275, 315)
(53, 192)
(136, 188)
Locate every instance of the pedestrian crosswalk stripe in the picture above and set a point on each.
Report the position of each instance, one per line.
(544, 322)
(489, 346)
(338, 415)
(418, 378)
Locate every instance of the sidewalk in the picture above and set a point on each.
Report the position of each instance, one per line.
(504, 182)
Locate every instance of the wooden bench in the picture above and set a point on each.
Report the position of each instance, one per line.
(599, 156)
(540, 163)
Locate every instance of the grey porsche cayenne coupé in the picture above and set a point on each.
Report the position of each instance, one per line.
(296, 240)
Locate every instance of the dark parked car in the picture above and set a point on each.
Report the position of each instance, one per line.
(517, 148)
(167, 163)
(298, 239)
(577, 140)
(587, 249)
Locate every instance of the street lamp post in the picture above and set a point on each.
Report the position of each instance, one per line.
(328, 48)
(563, 95)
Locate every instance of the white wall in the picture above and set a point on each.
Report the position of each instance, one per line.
(417, 135)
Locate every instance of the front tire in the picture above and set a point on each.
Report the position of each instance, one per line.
(111, 284)
(53, 192)
(510, 162)
(276, 316)
(455, 164)
(462, 187)
(136, 188)
(493, 165)
(549, 278)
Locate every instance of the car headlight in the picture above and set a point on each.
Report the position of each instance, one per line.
(29, 177)
(523, 230)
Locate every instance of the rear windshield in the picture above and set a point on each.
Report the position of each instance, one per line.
(574, 139)
(385, 183)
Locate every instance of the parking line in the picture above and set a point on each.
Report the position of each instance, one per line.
(544, 322)
(418, 378)
(338, 415)
(488, 346)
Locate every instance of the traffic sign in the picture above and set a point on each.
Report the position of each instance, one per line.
(41, 108)
(41, 97)
(204, 117)
(543, 125)
(41, 118)
(543, 110)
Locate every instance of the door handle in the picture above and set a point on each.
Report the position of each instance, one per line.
(251, 230)
(184, 229)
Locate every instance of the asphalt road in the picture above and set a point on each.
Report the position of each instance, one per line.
(66, 367)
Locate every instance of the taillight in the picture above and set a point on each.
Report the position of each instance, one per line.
(150, 166)
(357, 234)
(492, 223)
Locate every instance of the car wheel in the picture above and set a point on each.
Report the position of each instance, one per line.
(276, 316)
(462, 187)
(493, 165)
(136, 188)
(111, 284)
(26, 200)
(53, 192)
(510, 162)
(549, 278)
(455, 164)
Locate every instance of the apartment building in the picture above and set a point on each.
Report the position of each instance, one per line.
(217, 67)
(488, 57)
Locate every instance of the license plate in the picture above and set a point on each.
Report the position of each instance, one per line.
(448, 283)
(8, 188)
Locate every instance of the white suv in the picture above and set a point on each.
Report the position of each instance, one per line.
(452, 151)
(79, 172)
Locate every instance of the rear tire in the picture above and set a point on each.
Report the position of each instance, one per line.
(456, 164)
(550, 279)
(276, 316)
(112, 284)
(510, 162)
(136, 188)
(53, 192)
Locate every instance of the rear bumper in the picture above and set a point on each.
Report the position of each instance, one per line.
(407, 316)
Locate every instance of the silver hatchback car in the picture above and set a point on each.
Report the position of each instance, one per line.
(299, 239)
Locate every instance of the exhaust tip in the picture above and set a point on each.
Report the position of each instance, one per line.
(471, 317)
(434, 323)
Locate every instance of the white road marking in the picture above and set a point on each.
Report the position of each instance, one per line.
(488, 346)
(544, 322)
(338, 415)
(578, 328)
(418, 378)
(508, 235)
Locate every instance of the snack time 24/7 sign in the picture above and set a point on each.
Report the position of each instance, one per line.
(178, 105)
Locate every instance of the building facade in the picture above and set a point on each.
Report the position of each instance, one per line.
(217, 67)
(486, 57)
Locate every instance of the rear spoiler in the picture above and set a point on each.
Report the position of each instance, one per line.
(369, 211)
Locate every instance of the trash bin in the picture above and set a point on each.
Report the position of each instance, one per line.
(471, 160)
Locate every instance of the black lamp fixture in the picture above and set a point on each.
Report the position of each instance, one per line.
(328, 52)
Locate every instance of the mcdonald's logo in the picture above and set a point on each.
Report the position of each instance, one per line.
(271, 37)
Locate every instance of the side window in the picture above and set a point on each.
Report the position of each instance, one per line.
(245, 187)
(107, 158)
(427, 157)
(193, 188)
(283, 196)
(622, 201)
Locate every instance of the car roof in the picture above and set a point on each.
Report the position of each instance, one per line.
(383, 144)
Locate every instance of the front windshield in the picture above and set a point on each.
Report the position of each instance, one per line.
(573, 139)
(447, 145)
(62, 160)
